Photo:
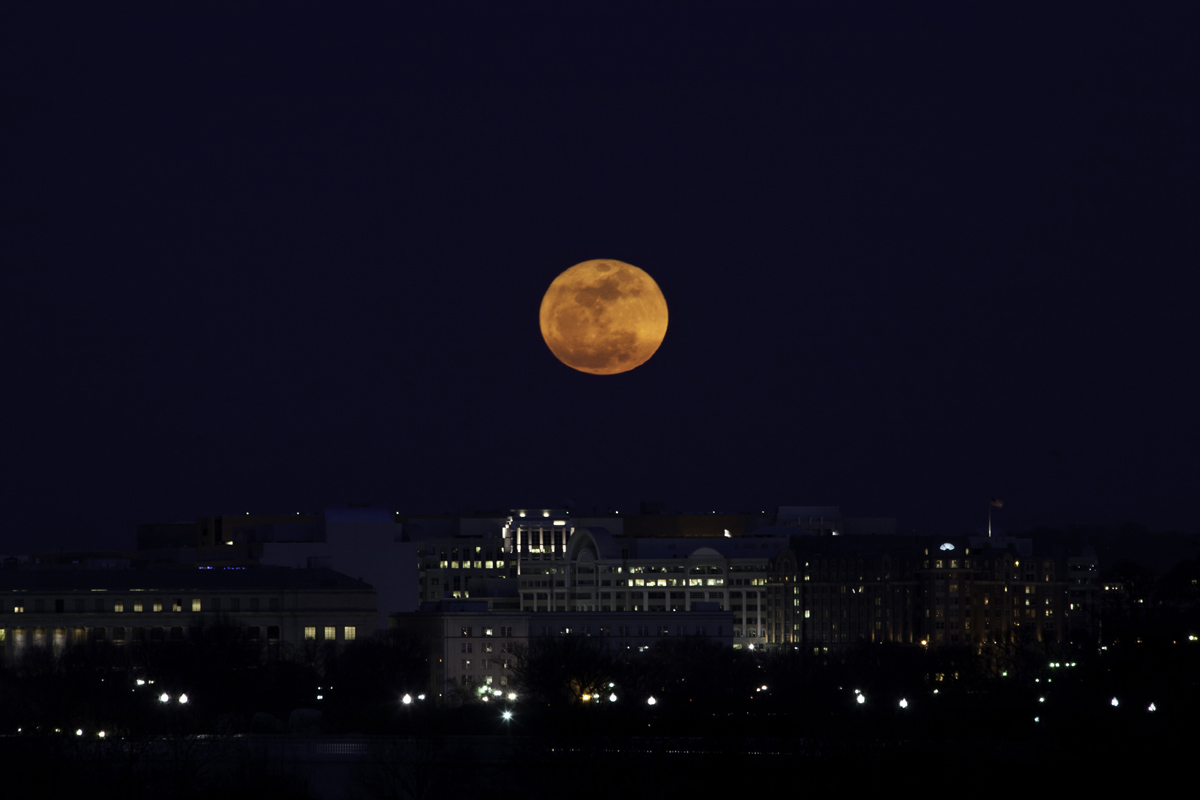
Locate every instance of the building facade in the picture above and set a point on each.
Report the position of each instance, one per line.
(471, 648)
(284, 611)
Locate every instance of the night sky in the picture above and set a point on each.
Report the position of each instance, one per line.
(291, 256)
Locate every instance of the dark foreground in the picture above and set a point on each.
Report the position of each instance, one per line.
(349, 768)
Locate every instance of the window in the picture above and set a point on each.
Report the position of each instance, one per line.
(137, 606)
(215, 603)
(466, 630)
(273, 604)
(19, 607)
(195, 604)
(348, 633)
(119, 606)
(177, 606)
(98, 605)
(330, 633)
(235, 604)
(310, 633)
(254, 604)
(273, 632)
(157, 606)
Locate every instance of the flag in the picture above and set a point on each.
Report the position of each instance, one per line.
(997, 503)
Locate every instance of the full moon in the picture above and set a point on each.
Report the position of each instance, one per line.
(603, 317)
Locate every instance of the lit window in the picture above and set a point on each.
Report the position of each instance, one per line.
(177, 606)
(330, 633)
(119, 606)
(348, 633)
(157, 605)
(195, 604)
(310, 633)
(137, 606)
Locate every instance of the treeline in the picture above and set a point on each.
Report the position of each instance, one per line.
(215, 680)
(1015, 691)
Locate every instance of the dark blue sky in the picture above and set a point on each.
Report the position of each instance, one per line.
(269, 259)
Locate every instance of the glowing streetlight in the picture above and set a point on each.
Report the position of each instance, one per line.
(164, 698)
(183, 699)
(79, 732)
(506, 716)
(650, 701)
(612, 698)
(862, 698)
(903, 703)
(1152, 708)
(407, 699)
(1115, 703)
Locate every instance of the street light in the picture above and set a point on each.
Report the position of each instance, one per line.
(164, 698)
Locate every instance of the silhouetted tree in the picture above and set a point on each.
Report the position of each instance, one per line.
(562, 669)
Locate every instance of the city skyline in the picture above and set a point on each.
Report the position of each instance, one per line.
(914, 260)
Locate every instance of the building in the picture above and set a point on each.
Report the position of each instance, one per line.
(565, 565)
(463, 558)
(364, 543)
(471, 648)
(285, 611)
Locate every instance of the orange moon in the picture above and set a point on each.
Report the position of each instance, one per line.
(603, 317)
